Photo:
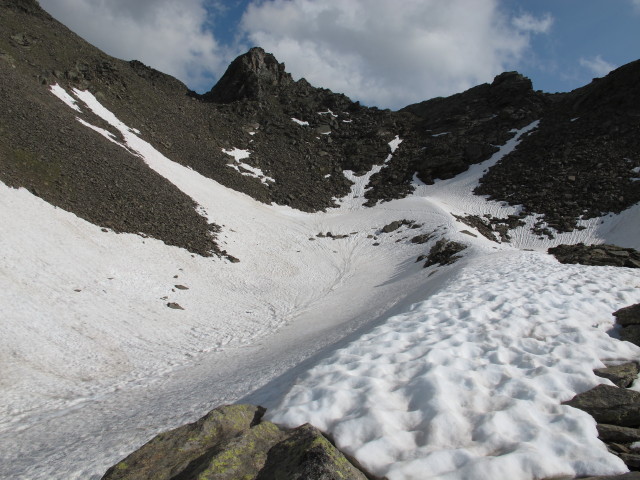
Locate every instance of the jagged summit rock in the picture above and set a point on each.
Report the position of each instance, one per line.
(250, 76)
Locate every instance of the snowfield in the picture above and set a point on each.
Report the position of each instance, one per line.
(443, 372)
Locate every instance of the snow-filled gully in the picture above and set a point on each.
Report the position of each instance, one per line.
(454, 372)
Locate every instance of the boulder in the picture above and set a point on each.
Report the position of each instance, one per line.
(628, 315)
(233, 442)
(621, 375)
(611, 405)
(444, 252)
(615, 433)
(631, 334)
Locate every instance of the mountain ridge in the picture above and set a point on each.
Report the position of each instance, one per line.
(441, 137)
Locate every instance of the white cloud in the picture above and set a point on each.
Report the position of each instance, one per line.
(169, 35)
(390, 53)
(528, 23)
(597, 65)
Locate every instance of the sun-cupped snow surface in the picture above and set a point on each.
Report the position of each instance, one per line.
(468, 384)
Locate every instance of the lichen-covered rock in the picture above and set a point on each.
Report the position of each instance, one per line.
(188, 450)
(306, 454)
(232, 442)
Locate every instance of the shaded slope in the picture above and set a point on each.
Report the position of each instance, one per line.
(582, 160)
(43, 147)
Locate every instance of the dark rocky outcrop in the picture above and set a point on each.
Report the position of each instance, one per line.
(234, 442)
(599, 255)
(444, 252)
(250, 76)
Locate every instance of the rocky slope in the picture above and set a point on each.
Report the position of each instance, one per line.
(579, 163)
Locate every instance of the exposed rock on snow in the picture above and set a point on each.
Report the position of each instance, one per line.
(599, 255)
(233, 442)
(444, 252)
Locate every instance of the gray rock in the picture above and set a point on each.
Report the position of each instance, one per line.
(631, 334)
(232, 442)
(621, 375)
(631, 459)
(444, 252)
(306, 454)
(628, 315)
(392, 226)
(597, 255)
(615, 433)
(612, 405)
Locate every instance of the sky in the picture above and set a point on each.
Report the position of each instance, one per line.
(384, 53)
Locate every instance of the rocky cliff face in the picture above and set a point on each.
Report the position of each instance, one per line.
(250, 76)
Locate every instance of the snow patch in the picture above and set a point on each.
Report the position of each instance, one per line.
(300, 122)
(245, 169)
(62, 94)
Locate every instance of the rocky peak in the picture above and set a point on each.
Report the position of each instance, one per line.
(250, 76)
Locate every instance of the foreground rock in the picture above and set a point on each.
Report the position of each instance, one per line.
(598, 255)
(233, 442)
(629, 320)
(610, 405)
(621, 375)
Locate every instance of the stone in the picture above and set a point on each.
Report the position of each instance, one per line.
(392, 226)
(632, 460)
(597, 255)
(233, 442)
(189, 450)
(306, 454)
(174, 305)
(621, 375)
(631, 334)
(444, 252)
(628, 315)
(616, 433)
(611, 405)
